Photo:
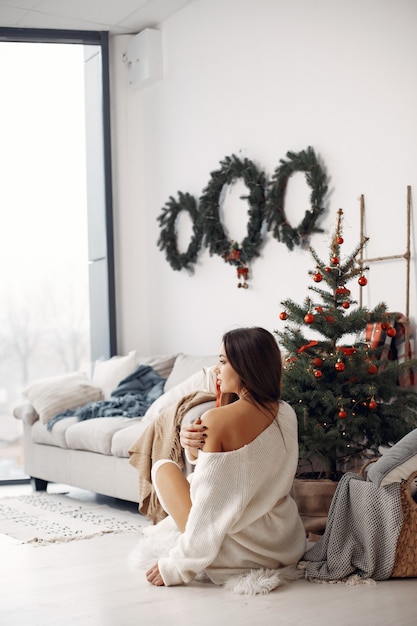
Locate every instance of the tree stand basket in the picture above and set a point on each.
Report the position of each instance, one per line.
(313, 498)
(405, 565)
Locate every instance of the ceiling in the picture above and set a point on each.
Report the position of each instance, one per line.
(115, 16)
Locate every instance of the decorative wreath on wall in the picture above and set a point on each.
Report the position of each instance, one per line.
(262, 208)
(304, 161)
(232, 168)
(168, 237)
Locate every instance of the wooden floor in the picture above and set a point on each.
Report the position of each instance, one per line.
(90, 583)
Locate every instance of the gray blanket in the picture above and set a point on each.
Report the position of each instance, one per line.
(131, 398)
(361, 533)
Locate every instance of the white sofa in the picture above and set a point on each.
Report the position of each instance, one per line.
(93, 454)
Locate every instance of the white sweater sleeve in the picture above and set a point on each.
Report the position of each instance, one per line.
(216, 505)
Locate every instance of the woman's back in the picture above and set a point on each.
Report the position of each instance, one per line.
(235, 425)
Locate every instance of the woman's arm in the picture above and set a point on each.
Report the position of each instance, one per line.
(192, 438)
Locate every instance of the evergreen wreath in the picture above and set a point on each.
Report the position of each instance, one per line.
(168, 236)
(304, 161)
(232, 168)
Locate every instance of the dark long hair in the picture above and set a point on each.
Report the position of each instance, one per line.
(255, 356)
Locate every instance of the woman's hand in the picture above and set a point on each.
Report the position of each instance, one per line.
(154, 577)
(192, 436)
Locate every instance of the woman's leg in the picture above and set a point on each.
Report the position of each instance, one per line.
(173, 491)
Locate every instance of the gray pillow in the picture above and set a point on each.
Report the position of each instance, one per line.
(396, 463)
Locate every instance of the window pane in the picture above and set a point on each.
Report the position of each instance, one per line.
(44, 312)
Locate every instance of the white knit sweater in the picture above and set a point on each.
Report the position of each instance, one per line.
(242, 516)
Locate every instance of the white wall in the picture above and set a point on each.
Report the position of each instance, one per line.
(258, 78)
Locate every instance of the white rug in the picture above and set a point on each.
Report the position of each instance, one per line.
(43, 519)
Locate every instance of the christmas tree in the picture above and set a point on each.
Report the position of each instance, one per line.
(344, 388)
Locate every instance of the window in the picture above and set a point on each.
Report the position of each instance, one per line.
(56, 248)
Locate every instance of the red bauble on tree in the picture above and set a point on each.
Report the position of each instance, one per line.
(283, 315)
(309, 318)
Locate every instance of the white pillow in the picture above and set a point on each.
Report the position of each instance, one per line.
(108, 374)
(51, 396)
(187, 364)
(204, 380)
(162, 364)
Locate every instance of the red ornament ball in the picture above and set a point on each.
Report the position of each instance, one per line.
(317, 277)
(342, 414)
(372, 405)
(327, 269)
(309, 318)
(372, 368)
(283, 315)
(362, 280)
(347, 351)
(340, 366)
(345, 304)
(318, 373)
(330, 319)
(340, 240)
(335, 260)
(317, 362)
(391, 332)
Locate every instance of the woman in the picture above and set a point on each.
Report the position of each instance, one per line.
(235, 513)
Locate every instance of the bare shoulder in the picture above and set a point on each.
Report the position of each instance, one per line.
(216, 417)
(234, 425)
(215, 421)
(213, 418)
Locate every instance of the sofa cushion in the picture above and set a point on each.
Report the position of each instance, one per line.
(187, 364)
(54, 437)
(203, 380)
(95, 434)
(109, 373)
(124, 439)
(54, 395)
(162, 364)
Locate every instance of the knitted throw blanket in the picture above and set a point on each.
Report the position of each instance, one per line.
(361, 534)
(160, 440)
(132, 398)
